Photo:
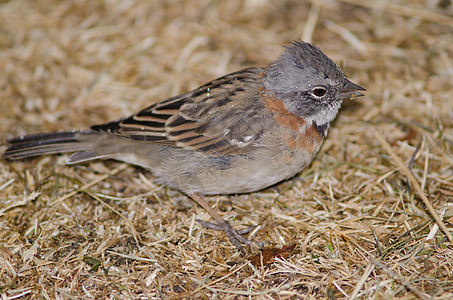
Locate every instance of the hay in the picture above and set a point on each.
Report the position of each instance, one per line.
(105, 230)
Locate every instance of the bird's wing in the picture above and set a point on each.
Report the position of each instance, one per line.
(223, 117)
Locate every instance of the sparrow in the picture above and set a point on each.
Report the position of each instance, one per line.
(239, 133)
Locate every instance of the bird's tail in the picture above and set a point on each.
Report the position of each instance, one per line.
(82, 142)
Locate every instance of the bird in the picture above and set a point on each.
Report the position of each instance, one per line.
(239, 133)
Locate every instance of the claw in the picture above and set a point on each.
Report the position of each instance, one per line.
(235, 236)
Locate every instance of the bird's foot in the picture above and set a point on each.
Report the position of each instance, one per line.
(235, 236)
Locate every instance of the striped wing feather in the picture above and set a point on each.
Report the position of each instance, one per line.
(208, 119)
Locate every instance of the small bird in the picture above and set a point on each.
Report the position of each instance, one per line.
(239, 133)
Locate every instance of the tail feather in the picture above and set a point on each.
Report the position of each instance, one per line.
(46, 143)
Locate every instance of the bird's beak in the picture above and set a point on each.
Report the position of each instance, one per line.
(350, 90)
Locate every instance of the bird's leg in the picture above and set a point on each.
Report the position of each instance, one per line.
(235, 236)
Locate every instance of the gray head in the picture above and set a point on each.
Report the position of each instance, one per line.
(309, 83)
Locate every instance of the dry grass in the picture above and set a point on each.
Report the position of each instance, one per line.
(104, 230)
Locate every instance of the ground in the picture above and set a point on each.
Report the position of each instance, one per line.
(359, 222)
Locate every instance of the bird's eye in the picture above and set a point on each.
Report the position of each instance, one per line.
(319, 92)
